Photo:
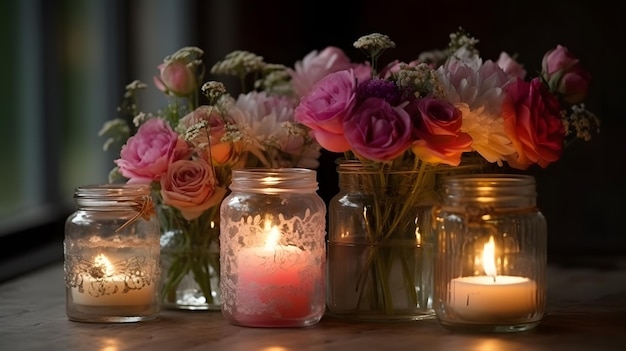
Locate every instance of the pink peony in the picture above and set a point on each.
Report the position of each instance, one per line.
(437, 127)
(146, 156)
(510, 66)
(378, 131)
(565, 75)
(316, 66)
(190, 186)
(325, 108)
(176, 77)
(533, 123)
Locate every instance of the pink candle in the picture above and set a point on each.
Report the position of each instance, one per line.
(275, 284)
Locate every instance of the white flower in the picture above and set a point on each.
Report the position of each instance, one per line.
(477, 90)
(266, 123)
(466, 56)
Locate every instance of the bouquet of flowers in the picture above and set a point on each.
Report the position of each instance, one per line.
(187, 152)
(448, 103)
(405, 122)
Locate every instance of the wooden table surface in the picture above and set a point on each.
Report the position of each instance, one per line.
(586, 311)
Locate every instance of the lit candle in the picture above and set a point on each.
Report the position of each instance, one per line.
(275, 282)
(103, 286)
(492, 297)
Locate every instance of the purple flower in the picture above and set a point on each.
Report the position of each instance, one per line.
(379, 88)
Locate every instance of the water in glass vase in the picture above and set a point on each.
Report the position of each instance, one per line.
(381, 245)
(190, 276)
(384, 283)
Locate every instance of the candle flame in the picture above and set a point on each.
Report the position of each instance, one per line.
(489, 258)
(103, 264)
(273, 235)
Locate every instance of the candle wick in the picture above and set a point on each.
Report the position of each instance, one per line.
(494, 278)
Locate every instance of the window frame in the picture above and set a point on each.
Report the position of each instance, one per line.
(125, 36)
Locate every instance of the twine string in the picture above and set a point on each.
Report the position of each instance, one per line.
(145, 210)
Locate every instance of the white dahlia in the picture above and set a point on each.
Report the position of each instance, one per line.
(267, 123)
(477, 90)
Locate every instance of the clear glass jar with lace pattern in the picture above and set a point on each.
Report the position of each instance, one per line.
(272, 249)
(111, 255)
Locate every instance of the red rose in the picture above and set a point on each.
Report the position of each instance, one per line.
(533, 123)
(437, 129)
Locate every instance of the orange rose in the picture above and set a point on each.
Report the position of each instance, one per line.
(209, 144)
(224, 152)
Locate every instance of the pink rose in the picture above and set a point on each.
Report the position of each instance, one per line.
(532, 121)
(437, 127)
(315, 66)
(391, 68)
(511, 67)
(362, 72)
(206, 113)
(146, 156)
(190, 186)
(176, 77)
(378, 131)
(325, 108)
(565, 75)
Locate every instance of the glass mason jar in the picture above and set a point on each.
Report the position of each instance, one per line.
(491, 260)
(381, 246)
(272, 249)
(111, 255)
(190, 260)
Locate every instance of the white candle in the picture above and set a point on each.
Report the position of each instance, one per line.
(274, 282)
(108, 290)
(492, 297)
(480, 298)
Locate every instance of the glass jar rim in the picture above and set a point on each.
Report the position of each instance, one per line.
(489, 188)
(114, 196)
(115, 190)
(274, 180)
(356, 166)
(489, 180)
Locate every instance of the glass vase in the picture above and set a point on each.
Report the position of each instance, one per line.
(381, 246)
(190, 260)
(491, 260)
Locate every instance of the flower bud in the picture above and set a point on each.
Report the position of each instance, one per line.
(565, 75)
(176, 78)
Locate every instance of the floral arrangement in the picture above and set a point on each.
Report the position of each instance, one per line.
(405, 122)
(448, 103)
(187, 150)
